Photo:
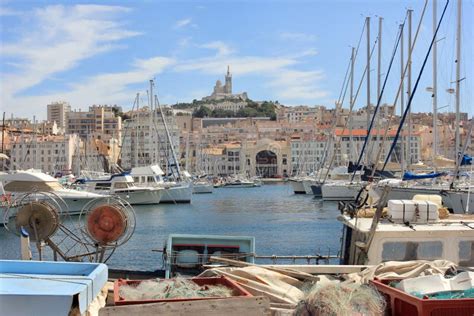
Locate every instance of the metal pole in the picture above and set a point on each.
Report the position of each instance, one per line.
(368, 87)
(458, 79)
(435, 88)
(379, 70)
(3, 131)
(137, 126)
(402, 100)
(410, 161)
(351, 143)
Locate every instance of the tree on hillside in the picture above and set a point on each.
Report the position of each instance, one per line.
(202, 112)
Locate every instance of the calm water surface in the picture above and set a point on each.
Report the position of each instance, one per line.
(281, 222)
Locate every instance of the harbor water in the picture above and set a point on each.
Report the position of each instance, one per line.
(281, 222)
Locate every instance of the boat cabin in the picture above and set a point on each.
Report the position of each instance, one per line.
(116, 182)
(449, 239)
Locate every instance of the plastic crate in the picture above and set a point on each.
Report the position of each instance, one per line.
(401, 303)
(222, 280)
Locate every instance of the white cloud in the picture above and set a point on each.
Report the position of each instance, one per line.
(222, 48)
(183, 23)
(295, 36)
(107, 88)
(297, 85)
(4, 11)
(57, 39)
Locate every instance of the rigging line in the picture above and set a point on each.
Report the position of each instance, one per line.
(384, 139)
(344, 83)
(355, 57)
(411, 50)
(345, 124)
(127, 128)
(378, 102)
(326, 147)
(414, 88)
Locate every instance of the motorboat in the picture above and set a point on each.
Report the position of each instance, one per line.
(16, 183)
(123, 186)
(200, 187)
(173, 191)
(240, 183)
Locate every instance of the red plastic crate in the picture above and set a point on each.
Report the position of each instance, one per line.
(222, 280)
(400, 303)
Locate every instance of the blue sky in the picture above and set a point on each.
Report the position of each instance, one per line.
(296, 52)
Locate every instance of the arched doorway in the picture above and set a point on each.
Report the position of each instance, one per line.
(266, 164)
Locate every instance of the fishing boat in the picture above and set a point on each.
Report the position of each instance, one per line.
(397, 237)
(123, 186)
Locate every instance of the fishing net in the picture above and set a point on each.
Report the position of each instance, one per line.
(341, 300)
(173, 288)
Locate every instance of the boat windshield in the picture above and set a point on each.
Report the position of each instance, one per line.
(28, 186)
(121, 185)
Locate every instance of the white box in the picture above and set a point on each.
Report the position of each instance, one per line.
(430, 284)
(413, 211)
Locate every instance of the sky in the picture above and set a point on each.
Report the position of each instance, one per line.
(295, 52)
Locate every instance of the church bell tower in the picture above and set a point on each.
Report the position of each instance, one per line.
(228, 82)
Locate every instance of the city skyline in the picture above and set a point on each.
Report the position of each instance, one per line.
(293, 53)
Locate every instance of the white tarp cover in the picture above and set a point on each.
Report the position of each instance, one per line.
(396, 270)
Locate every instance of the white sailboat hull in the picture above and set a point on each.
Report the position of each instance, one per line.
(340, 191)
(181, 193)
(143, 196)
(307, 186)
(202, 188)
(297, 186)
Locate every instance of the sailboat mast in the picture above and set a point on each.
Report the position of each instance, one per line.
(351, 143)
(368, 86)
(435, 88)
(379, 86)
(168, 136)
(458, 78)
(410, 161)
(402, 99)
(136, 129)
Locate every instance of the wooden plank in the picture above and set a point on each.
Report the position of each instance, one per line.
(289, 272)
(321, 268)
(236, 306)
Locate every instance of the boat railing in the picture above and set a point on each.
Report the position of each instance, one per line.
(204, 258)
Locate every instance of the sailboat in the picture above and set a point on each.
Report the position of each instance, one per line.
(456, 197)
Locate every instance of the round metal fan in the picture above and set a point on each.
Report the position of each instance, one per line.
(37, 213)
(104, 224)
(107, 222)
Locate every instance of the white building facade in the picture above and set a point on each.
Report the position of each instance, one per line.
(145, 140)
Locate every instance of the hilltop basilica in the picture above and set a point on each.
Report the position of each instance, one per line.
(222, 92)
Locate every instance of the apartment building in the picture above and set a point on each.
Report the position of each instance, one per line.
(49, 153)
(99, 118)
